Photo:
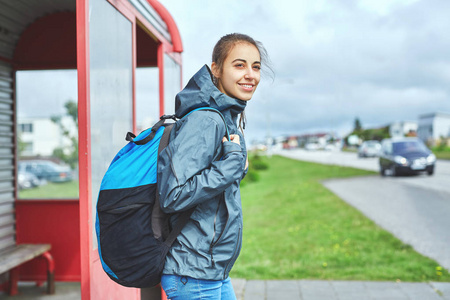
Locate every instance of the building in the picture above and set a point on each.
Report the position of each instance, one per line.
(433, 127)
(403, 128)
(320, 139)
(40, 136)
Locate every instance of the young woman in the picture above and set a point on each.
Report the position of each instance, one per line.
(200, 168)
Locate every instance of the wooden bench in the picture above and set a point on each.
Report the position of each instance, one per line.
(12, 257)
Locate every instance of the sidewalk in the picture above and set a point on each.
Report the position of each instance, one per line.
(339, 290)
(283, 289)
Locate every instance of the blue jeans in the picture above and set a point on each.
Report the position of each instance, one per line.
(188, 288)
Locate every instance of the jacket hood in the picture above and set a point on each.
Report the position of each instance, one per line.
(201, 92)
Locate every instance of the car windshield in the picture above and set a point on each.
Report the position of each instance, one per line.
(372, 144)
(409, 146)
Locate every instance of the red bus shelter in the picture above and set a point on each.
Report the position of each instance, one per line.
(105, 41)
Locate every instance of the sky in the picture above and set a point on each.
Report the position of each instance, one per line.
(381, 61)
(377, 60)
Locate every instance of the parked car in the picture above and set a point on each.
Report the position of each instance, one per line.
(46, 170)
(369, 149)
(26, 180)
(312, 146)
(406, 155)
(330, 147)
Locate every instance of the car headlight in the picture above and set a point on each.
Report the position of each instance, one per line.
(431, 158)
(400, 160)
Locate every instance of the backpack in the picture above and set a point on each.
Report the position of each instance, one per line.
(133, 234)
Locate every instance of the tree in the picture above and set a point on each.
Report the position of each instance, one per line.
(357, 127)
(375, 133)
(21, 145)
(368, 134)
(68, 154)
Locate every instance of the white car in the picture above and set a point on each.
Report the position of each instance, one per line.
(369, 149)
(312, 146)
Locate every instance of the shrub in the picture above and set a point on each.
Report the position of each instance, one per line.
(257, 162)
(259, 165)
(252, 175)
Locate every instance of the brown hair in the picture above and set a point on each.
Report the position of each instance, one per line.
(223, 48)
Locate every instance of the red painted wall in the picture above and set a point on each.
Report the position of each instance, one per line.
(147, 49)
(54, 222)
(48, 43)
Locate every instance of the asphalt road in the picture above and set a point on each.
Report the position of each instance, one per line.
(416, 209)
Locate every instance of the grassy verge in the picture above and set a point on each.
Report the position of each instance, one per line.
(441, 151)
(347, 149)
(294, 228)
(442, 154)
(64, 190)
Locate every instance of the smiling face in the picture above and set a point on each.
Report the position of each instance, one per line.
(240, 72)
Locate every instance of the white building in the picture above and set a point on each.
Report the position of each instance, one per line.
(434, 126)
(401, 129)
(41, 136)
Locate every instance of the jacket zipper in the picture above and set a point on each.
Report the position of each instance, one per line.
(234, 254)
(213, 243)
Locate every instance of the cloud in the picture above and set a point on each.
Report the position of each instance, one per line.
(43, 93)
(381, 61)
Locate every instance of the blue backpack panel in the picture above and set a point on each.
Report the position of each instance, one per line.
(133, 233)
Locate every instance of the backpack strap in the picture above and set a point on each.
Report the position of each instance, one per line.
(159, 218)
(182, 221)
(184, 217)
(165, 137)
(214, 110)
(131, 136)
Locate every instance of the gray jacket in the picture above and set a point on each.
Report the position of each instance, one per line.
(197, 170)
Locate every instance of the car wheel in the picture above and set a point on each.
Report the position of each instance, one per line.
(382, 171)
(394, 172)
(430, 172)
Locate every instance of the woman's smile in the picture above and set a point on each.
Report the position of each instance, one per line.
(246, 87)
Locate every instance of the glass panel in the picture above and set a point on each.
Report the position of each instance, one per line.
(147, 97)
(47, 128)
(110, 43)
(172, 84)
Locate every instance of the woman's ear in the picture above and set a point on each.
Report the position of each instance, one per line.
(215, 70)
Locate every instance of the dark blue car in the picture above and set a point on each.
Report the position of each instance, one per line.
(405, 156)
(46, 170)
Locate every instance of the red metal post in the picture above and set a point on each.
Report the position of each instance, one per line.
(133, 73)
(171, 25)
(84, 155)
(50, 273)
(161, 78)
(13, 279)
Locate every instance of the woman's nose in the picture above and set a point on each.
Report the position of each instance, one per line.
(249, 74)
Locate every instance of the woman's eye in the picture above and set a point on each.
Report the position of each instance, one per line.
(239, 65)
(257, 67)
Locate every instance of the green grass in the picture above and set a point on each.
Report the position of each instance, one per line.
(294, 228)
(444, 154)
(347, 149)
(65, 190)
(441, 151)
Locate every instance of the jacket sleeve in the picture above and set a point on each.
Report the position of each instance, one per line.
(187, 174)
